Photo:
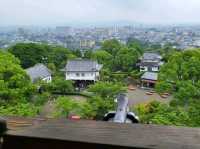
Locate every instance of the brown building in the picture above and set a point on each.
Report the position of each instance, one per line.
(149, 79)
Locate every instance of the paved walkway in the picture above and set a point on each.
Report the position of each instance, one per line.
(139, 96)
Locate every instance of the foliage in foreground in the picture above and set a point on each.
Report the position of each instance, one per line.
(92, 108)
(164, 114)
(181, 75)
(58, 85)
(14, 82)
(20, 109)
(107, 90)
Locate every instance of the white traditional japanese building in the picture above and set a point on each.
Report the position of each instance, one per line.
(150, 62)
(82, 71)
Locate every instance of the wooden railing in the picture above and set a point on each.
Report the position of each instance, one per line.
(22, 133)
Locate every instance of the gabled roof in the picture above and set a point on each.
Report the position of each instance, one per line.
(151, 56)
(82, 65)
(39, 71)
(150, 76)
(150, 64)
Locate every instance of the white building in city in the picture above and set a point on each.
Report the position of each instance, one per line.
(82, 70)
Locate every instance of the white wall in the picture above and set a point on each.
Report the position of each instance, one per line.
(47, 79)
(145, 69)
(90, 76)
(156, 69)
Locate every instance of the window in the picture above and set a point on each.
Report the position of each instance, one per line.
(155, 68)
(91, 74)
(82, 74)
(143, 68)
(77, 74)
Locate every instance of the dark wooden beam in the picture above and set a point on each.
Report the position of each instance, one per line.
(64, 134)
(3, 126)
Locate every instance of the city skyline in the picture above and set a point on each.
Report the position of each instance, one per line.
(98, 12)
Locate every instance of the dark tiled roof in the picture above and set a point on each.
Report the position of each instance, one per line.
(150, 76)
(80, 65)
(152, 64)
(38, 71)
(151, 56)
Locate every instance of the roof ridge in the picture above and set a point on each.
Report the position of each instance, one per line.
(82, 60)
(36, 65)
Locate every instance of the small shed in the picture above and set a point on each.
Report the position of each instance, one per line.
(39, 71)
(149, 79)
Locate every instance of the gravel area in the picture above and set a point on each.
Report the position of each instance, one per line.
(139, 96)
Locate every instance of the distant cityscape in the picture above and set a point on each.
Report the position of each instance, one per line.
(180, 37)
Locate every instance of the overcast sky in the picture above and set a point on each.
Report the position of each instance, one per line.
(64, 12)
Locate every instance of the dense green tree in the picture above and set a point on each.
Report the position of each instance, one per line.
(162, 87)
(19, 109)
(107, 89)
(163, 114)
(135, 44)
(126, 59)
(64, 106)
(92, 108)
(61, 86)
(30, 54)
(160, 113)
(181, 70)
(104, 58)
(52, 67)
(14, 82)
(118, 57)
(87, 53)
(111, 46)
(194, 113)
(101, 56)
(180, 76)
(77, 53)
(59, 56)
(100, 107)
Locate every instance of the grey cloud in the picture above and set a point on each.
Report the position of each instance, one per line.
(48, 12)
